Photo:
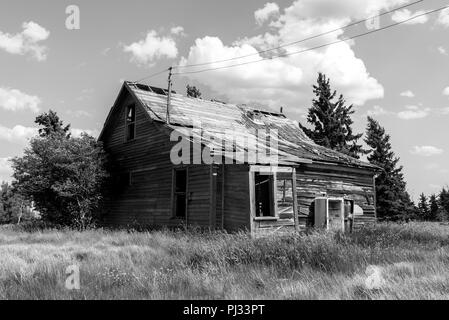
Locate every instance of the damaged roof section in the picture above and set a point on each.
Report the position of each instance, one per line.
(217, 119)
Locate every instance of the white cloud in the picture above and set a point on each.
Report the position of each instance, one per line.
(443, 18)
(14, 100)
(79, 113)
(413, 112)
(27, 41)
(377, 111)
(408, 94)
(105, 51)
(404, 14)
(287, 81)
(5, 170)
(426, 151)
(17, 134)
(77, 132)
(178, 30)
(442, 51)
(271, 9)
(151, 48)
(446, 91)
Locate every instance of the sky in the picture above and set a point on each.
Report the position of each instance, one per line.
(398, 75)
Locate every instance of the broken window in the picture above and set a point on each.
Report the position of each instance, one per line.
(180, 193)
(130, 122)
(264, 194)
(284, 198)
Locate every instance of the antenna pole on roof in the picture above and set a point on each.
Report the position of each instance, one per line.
(169, 94)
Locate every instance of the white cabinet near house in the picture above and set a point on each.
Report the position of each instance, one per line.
(333, 213)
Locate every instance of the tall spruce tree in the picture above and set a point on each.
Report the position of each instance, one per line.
(423, 207)
(444, 203)
(393, 201)
(433, 207)
(331, 121)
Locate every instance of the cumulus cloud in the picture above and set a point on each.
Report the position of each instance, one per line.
(443, 18)
(413, 112)
(271, 9)
(446, 91)
(287, 81)
(426, 151)
(152, 48)
(17, 134)
(76, 133)
(79, 113)
(404, 14)
(5, 169)
(408, 94)
(27, 41)
(377, 111)
(14, 100)
(178, 30)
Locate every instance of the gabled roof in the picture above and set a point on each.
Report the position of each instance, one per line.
(218, 119)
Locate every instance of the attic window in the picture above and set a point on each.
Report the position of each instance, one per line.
(130, 125)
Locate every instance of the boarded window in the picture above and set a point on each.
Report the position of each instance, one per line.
(130, 122)
(180, 193)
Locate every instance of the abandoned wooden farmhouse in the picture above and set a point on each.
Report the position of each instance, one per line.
(308, 185)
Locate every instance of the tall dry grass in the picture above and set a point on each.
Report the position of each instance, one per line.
(387, 261)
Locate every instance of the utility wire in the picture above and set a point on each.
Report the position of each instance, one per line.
(317, 47)
(152, 75)
(302, 40)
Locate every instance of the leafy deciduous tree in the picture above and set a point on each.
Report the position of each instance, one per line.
(63, 175)
(193, 92)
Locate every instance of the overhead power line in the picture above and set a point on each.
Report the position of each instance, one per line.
(152, 75)
(302, 40)
(316, 47)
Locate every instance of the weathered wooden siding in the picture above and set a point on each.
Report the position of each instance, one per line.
(336, 181)
(146, 159)
(236, 200)
(199, 197)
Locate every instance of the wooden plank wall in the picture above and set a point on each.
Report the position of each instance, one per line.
(336, 181)
(236, 190)
(147, 200)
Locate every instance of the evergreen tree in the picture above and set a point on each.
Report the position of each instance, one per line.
(193, 92)
(433, 207)
(423, 207)
(331, 120)
(393, 201)
(444, 203)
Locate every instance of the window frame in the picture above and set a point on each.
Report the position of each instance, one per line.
(175, 193)
(275, 172)
(272, 195)
(131, 123)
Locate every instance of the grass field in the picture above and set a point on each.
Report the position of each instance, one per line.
(388, 261)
